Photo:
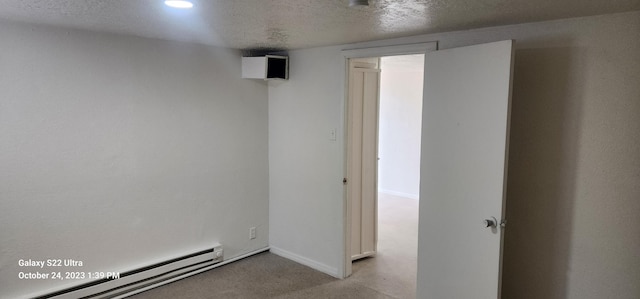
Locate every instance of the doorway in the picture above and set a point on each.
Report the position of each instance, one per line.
(465, 129)
(385, 100)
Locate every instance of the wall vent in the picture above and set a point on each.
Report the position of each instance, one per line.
(269, 67)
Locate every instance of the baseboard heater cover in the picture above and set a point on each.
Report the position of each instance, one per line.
(142, 277)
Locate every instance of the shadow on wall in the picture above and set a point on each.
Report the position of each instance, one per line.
(545, 121)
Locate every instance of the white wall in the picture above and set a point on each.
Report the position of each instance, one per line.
(400, 125)
(122, 151)
(305, 174)
(573, 189)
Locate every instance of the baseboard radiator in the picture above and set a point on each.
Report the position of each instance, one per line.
(122, 283)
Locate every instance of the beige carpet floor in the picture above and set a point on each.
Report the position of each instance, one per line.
(390, 274)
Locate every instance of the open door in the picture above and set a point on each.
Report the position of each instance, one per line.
(465, 131)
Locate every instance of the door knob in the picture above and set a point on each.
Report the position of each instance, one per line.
(492, 222)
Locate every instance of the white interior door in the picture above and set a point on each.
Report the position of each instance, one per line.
(364, 81)
(465, 131)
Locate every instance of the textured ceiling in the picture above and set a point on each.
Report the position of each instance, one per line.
(291, 24)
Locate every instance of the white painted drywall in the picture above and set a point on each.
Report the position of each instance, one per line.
(305, 174)
(399, 126)
(122, 151)
(573, 189)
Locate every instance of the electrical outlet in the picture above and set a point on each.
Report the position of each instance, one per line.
(252, 233)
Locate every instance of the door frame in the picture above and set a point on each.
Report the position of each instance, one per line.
(394, 50)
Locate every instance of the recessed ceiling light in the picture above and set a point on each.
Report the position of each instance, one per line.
(179, 3)
(358, 3)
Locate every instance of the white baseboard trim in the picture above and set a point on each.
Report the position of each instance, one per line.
(305, 261)
(401, 194)
(191, 273)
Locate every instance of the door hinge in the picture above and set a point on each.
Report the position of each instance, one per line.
(344, 181)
